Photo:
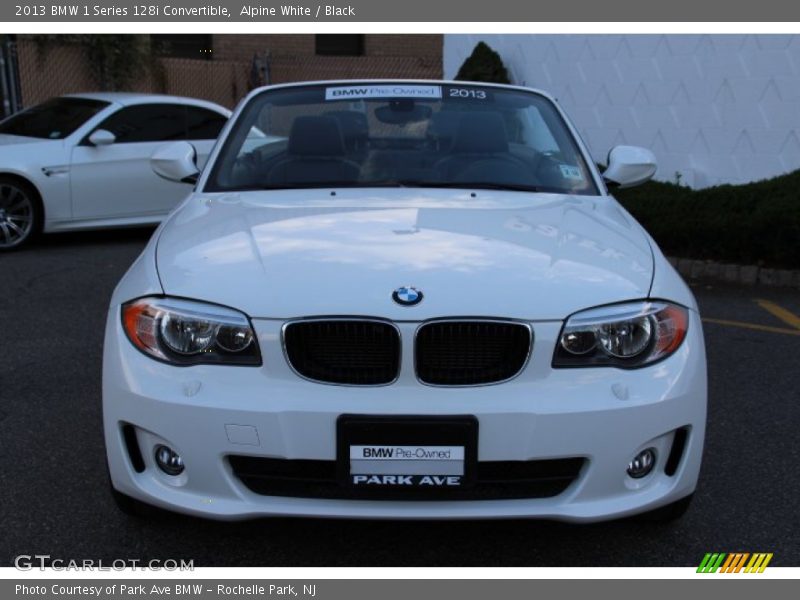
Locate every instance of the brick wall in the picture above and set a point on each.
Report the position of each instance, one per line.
(310, 68)
(427, 46)
(242, 47)
(59, 70)
(293, 58)
(63, 69)
(225, 79)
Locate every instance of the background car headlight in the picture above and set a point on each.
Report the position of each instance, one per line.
(183, 332)
(627, 335)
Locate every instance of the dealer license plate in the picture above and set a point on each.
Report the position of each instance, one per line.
(406, 452)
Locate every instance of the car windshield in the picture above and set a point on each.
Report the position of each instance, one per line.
(53, 120)
(401, 134)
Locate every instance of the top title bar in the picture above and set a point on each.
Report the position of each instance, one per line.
(463, 11)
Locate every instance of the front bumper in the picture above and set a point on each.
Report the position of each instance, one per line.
(207, 413)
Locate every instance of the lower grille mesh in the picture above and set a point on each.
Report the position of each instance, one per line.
(496, 480)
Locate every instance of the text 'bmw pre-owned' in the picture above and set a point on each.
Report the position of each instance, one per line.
(403, 299)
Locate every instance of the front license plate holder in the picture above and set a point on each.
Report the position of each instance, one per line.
(406, 454)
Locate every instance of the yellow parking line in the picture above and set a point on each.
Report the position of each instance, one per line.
(778, 311)
(753, 326)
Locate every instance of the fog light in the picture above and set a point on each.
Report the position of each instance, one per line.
(642, 463)
(168, 460)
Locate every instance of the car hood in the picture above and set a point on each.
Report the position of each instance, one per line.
(282, 254)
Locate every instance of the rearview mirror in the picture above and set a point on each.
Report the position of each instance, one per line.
(176, 161)
(403, 112)
(102, 137)
(629, 166)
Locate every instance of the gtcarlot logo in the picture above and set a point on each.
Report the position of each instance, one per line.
(734, 562)
(28, 562)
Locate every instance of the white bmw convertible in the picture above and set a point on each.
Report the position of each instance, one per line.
(83, 161)
(395, 299)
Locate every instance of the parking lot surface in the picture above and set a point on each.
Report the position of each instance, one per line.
(54, 494)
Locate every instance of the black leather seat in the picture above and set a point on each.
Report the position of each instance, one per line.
(355, 129)
(480, 152)
(315, 154)
(442, 129)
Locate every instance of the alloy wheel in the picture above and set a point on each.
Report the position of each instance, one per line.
(16, 216)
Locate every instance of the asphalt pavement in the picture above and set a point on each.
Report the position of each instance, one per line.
(54, 496)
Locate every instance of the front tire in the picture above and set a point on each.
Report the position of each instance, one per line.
(21, 213)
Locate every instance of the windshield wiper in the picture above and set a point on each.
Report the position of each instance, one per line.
(473, 185)
(303, 186)
(331, 185)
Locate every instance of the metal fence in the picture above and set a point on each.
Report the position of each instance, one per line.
(64, 69)
(9, 77)
(53, 70)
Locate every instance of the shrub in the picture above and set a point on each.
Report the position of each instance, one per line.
(755, 223)
(484, 64)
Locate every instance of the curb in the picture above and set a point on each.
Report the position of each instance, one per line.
(708, 270)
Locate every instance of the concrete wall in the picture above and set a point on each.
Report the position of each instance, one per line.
(714, 108)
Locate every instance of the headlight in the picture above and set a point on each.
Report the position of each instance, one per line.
(183, 332)
(627, 335)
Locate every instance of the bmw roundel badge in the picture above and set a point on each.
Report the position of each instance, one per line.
(407, 296)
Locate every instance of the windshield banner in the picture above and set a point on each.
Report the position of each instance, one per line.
(383, 91)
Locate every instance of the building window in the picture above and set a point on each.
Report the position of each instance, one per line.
(339, 44)
(177, 45)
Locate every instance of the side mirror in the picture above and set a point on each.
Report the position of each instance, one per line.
(102, 137)
(629, 166)
(176, 161)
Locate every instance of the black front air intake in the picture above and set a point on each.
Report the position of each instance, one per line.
(676, 452)
(341, 351)
(132, 446)
(471, 352)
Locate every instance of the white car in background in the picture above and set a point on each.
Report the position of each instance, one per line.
(393, 299)
(82, 161)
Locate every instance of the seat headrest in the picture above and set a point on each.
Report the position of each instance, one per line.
(353, 123)
(315, 136)
(443, 125)
(481, 133)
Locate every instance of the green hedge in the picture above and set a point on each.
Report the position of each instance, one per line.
(756, 223)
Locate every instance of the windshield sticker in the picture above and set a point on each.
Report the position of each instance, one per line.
(383, 91)
(465, 93)
(571, 172)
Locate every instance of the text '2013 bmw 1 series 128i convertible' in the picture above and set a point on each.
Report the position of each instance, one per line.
(403, 299)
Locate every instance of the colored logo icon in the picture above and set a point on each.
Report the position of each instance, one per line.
(736, 562)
